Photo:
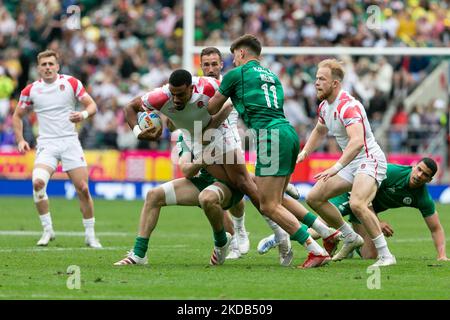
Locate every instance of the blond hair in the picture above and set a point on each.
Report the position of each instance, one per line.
(336, 67)
(46, 54)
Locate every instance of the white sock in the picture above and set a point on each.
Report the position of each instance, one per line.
(347, 231)
(381, 245)
(46, 221)
(238, 222)
(89, 226)
(279, 233)
(321, 228)
(312, 246)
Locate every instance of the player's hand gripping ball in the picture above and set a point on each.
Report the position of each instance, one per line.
(149, 119)
(150, 124)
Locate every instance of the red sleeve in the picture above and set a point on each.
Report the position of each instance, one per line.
(321, 119)
(25, 98)
(77, 87)
(154, 99)
(210, 85)
(352, 115)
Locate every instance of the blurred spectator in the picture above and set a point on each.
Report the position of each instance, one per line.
(399, 129)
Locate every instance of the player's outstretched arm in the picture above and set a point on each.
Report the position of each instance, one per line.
(219, 117)
(355, 134)
(216, 103)
(315, 139)
(19, 113)
(90, 108)
(438, 235)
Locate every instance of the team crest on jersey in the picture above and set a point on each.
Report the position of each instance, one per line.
(200, 104)
(407, 200)
(363, 166)
(62, 87)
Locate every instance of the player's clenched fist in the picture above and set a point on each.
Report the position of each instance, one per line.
(150, 133)
(23, 146)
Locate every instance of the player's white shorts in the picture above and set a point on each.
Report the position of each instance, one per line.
(374, 166)
(214, 152)
(67, 150)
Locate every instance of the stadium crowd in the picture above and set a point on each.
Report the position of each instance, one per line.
(122, 48)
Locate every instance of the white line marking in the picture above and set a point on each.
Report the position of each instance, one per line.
(62, 233)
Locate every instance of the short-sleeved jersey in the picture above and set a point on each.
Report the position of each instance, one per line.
(160, 99)
(394, 192)
(256, 93)
(53, 103)
(344, 112)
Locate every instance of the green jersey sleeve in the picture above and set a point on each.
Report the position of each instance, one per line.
(230, 82)
(426, 204)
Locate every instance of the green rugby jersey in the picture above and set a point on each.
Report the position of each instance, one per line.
(256, 93)
(394, 192)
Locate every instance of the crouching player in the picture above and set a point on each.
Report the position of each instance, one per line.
(404, 186)
(198, 188)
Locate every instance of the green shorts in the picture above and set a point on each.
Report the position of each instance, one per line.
(342, 203)
(204, 180)
(277, 150)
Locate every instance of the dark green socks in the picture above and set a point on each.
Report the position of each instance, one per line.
(140, 246)
(309, 219)
(301, 235)
(220, 238)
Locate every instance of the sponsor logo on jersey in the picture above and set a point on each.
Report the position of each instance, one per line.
(407, 200)
(363, 166)
(391, 190)
(200, 104)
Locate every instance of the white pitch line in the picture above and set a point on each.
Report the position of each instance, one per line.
(51, 249)
(63, 233)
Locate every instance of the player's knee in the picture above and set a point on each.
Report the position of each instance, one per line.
(313, 200)
(40, 179)
(83, 189)
(267, 208)
(357, 206)
(155, 197)
(208, 199)
(38, 184)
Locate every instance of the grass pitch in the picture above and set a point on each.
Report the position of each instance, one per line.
(179, 252)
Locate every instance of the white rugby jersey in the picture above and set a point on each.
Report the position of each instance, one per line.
(160, 99)
(53, 103)
(343, 112)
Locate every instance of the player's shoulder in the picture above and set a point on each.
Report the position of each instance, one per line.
(394, 167)
(157, 98)
(205, 85)
(31, 87)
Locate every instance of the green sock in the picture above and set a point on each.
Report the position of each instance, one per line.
(301, 235)
(309, 219)
(220, 238)
(141, 246)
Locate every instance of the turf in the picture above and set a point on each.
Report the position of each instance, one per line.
(179, 253)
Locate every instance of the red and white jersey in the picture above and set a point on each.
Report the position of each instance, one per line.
(53, 103)
(344, 112)
(160, 99)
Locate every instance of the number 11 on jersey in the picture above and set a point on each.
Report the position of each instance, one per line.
(272, 88)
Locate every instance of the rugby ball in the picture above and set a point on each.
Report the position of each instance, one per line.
(149, 119)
